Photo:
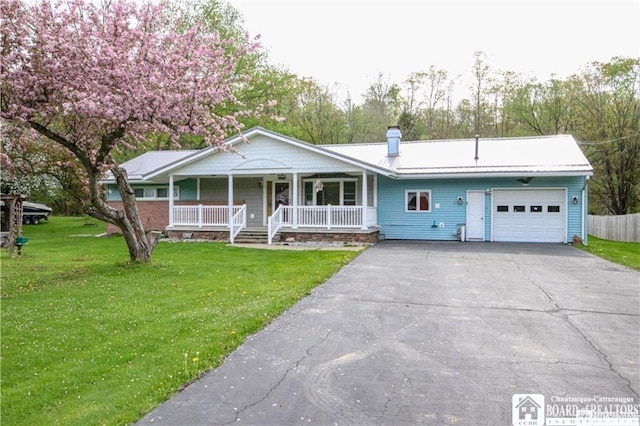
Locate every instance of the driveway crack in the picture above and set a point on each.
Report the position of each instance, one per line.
(565, 316)
(542, 289)
(282, 379)
(603, 356)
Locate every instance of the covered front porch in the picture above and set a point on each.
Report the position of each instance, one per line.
(307, 205)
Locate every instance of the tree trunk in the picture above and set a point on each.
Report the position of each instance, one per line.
(140, 248)
(139, 244)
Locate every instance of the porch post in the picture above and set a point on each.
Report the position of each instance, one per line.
(170, 200)
(230, 220)
(375, 191)
(294, 218)
(365, 201)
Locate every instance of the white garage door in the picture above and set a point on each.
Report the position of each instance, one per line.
(529, 215)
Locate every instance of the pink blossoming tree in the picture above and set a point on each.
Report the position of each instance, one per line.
(90, 81)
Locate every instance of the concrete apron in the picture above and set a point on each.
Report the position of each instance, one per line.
(432, 333)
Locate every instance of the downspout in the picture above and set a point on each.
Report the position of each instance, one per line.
(295, 201)
(171, 200)
(585, 212)
(365, 200)
(230, 201)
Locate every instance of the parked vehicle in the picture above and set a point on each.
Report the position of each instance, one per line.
(32, 213)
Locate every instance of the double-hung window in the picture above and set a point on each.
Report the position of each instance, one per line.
(418, 200)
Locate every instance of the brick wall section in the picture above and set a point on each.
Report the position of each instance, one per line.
(299, 237)
(154, 215)
(200, 235)
(344, 237)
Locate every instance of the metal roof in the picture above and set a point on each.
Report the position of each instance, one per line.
(541, 155)
(502, 156)
(137, 168)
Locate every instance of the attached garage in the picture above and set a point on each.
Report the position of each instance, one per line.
(529, 215)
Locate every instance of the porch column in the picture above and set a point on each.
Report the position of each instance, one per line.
(375, 191)
(230, 202)
(365, 201)
(170, 200)
(294, 218)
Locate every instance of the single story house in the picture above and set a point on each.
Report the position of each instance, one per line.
(528, 189)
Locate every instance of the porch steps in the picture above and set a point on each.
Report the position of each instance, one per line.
(254, 236)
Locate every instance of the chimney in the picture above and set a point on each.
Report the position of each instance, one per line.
(477, 138)
(393, 141)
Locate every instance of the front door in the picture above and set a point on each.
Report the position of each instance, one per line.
(278, 194)
(475, 215)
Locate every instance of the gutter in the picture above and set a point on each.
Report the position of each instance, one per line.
(585, 212)
(468, 175)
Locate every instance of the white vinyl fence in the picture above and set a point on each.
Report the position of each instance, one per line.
(616, 228)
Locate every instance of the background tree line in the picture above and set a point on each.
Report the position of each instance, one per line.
(599, 105)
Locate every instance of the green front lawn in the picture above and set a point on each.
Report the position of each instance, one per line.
(627, 254)
(88, 338)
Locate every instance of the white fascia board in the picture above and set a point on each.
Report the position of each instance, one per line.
(491, 175)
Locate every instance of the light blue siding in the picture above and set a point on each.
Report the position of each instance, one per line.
(396, 223)
(112, 193)
(188, 189)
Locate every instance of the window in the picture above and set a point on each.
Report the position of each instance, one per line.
(308, 193)
(337, 192)
(518, 209)
(349, 193)
(553, 209)
(535, 209)
(503, 208)
(418, 201)
(156, 193)
(330, 194)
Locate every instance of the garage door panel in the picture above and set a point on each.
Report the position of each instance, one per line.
(529, 215)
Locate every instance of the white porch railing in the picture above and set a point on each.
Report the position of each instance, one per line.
(204, 215)
(325, 216)
(319, 217)
(238, 223)
(274, 223)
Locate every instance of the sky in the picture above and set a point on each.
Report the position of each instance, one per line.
(349, 43)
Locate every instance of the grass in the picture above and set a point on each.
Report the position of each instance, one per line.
(88, 338)
(623, 253)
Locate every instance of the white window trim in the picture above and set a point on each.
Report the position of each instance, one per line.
(176, 192)
(341, 180)
(417, 191)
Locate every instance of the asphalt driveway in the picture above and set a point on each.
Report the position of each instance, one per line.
(432, 333)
